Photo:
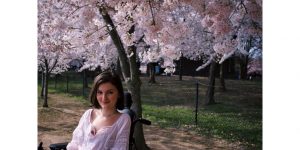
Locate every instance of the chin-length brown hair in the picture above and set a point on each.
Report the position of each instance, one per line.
(107, 77)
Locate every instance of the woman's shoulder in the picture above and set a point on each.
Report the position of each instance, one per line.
(124, 118)
(87, 112)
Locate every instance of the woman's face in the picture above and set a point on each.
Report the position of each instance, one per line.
(107, 95)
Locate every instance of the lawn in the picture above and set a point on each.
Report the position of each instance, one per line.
(237, 116)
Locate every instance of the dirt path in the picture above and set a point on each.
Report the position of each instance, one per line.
(56, 124)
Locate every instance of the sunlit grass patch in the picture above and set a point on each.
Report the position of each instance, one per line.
(227, 124)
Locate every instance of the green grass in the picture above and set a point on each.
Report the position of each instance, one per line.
(237, 116)
(77, 97)
(230, 125)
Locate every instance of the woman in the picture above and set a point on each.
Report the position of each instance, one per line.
(103, 127)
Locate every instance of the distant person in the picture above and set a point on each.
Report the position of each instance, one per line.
(103, 127)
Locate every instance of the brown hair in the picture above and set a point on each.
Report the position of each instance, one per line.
(107, 77)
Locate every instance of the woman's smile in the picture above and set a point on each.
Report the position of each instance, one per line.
(107, 95)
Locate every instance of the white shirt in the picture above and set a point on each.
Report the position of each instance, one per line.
(115, 137)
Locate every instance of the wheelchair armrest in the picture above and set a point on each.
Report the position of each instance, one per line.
(59, 146)
(143, 121)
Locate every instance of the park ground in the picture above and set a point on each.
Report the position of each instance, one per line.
(56, 124)
(235, 122)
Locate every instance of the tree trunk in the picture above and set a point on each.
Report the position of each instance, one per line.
(152, 72)
(222, 80)
(244, 60)
(211, 87)
(180, 68)
(85, 82)
(134, 87)
(47, 72)
(130, 74)
(46, 89)
(243, 67)
(117, 41)
(43, 84)
(55, 81)
(237, 68)
(118, 70)
(67, 90)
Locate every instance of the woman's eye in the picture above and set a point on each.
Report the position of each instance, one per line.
(99, 92)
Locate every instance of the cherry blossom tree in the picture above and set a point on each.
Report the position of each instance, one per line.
(227, 26)
(88, 27)
(105, 31)
(233, 24)
(52, 55)
(149, 55)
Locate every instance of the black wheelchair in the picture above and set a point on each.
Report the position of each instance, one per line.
(134, 120)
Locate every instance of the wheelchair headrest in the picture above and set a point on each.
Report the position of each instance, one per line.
(127, 100)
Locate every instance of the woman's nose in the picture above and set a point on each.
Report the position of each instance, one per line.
(104, 96)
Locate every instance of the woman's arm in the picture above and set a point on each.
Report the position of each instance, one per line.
(78, 134)
(122, 139)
